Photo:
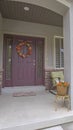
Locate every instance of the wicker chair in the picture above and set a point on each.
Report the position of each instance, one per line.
(59, 76)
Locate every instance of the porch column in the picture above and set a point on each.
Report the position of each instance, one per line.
(68, 49)
(1, 44)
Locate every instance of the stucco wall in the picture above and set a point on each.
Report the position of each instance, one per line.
(1, 43)
(32, 29)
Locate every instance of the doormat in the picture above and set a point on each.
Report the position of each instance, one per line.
(20, 94)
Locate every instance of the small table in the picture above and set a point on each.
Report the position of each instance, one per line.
(63, 98)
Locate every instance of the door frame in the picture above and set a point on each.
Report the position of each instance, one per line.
(12, 35)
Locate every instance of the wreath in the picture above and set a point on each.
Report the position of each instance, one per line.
(19, 48)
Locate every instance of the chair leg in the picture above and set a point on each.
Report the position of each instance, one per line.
(63, 98)
(68, 104)
(56, 103)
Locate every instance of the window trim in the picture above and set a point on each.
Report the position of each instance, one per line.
(61, 37)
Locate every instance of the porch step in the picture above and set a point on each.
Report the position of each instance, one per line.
(54, 128)
(68, 126)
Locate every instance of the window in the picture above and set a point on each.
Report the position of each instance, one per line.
(59, 52)
(8, 58)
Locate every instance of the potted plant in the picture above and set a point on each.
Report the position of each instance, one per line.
(62, 88)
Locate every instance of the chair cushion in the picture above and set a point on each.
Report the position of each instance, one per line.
(56, 75)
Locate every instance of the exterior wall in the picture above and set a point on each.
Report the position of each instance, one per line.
(39, 30)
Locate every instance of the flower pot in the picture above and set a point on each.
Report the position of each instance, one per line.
(61, 90)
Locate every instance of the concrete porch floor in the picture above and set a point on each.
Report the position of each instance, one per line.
(30, 112)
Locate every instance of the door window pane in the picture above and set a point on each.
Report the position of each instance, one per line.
(8, 58)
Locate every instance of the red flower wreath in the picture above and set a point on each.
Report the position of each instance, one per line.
(19, 47)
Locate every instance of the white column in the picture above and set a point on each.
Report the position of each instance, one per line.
(68, 49)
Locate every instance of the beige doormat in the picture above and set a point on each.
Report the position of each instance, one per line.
(20, 94)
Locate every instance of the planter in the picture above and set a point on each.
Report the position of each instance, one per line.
(61, 90)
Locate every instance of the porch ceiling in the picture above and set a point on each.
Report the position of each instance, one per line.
(36, 14)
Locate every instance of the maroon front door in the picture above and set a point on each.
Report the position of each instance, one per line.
(23, 68)
(23, 71)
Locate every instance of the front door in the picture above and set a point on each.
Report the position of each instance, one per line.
(20, 71)
(23, 69)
